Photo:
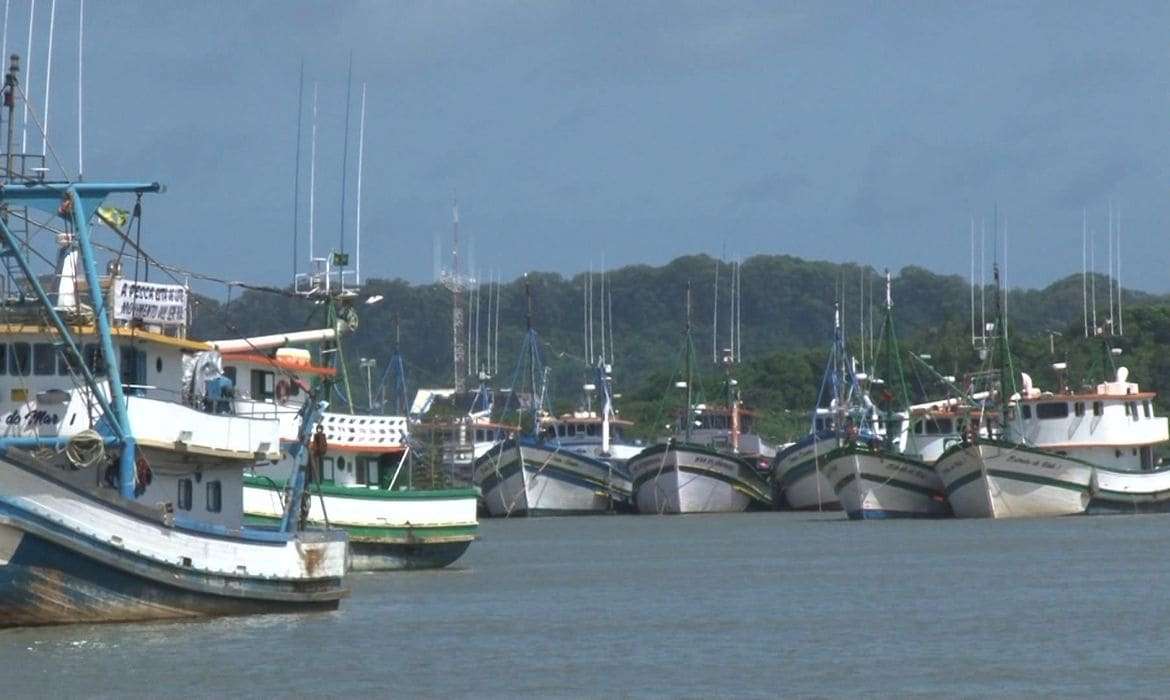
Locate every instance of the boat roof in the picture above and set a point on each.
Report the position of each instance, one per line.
(279, 363)
(139, 334)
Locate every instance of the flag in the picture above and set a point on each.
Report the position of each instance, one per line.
(114, 217)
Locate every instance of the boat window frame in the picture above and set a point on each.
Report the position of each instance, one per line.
(14, 366)
(1052, 410)
(1079, 409)
(214, 501)
(44, 359)
(1026, 411)
(185, 497)
(1098, 409)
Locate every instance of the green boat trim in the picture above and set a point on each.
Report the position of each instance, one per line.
(374, 493)
(759, 491)
(884, 454)
(1017, 476)
(414, 534)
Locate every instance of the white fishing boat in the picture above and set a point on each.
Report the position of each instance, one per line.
(120, 500)
(888, 474)
(683, 475)
(538, 472)
(1062, 452)
(361, 477)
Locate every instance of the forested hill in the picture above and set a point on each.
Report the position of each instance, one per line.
(787, 306)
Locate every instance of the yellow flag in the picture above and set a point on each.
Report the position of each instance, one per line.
(114, 217)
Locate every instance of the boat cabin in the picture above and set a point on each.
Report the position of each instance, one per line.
(1114, 425)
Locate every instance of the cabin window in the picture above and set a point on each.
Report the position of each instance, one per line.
(941, 425)
(66, 365)
(230, 373)
(1026, 412)
(1098, 408)
(327, 472)
(341, 464)
(263, 385)
(133, 367)
(158, 364)
(184, 494)
(1047, 411)
(214, 496)
(591, 430)
(820, 425)
(1147, 458)
(360, 469)
(3, 358)
(1079, 408)
(479, 434)
(44, 359)
(93, 359)
(1146, 408)
(1132, 406)
(19, 360)
(917, 427)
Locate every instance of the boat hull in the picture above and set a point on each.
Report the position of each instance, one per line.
(993, 479)
(874, 484)
(68, 556)
(528, 478)
(683, 478)
(1115, 491)
(388, 530)
(797, 482)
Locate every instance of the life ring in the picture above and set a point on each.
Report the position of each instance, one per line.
(282, 391)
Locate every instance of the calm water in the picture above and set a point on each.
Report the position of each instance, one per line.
(754, 604)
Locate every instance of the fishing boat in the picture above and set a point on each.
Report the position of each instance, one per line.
(797, 481)
(362, 478)
(120, 459)
(885, 476)
(1068, 452)
(533, 472)
(684, 476)
(1012, 475)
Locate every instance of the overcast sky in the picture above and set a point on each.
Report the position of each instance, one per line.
(640, 131)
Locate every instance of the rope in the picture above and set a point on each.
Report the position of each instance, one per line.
(85, 449)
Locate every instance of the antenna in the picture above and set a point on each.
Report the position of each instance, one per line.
(1093, 277)
(476, 287)
(715, 319)
(585, 314)
(983, 282)
(345, 148)
(313, 178)
(971, 279)
(610, 302)
(296, 170)
(48, 78)
(28, 78)
(1110, 319)
(1085, 267)
(603, 307)
(4, 40)
(738, 310)
(1117, 261)
(454, 281)
(1005, 270)
(80, 82)
(861, 316)
(496, 349)
(488, 339)
(358, 217)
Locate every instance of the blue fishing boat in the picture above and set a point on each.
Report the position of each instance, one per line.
(120, 461)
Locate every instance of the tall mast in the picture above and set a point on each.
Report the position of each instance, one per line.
(80, 81)
(313, 178)
(715, 319)
(48, 79)
(345, 151)
(11, 84)
(28, 79)
(688, 414)
(1085, 268)
(971, 279)
(1117, 262)
(358, 216)
(296, 171)
(1093, 277)
(456, 283)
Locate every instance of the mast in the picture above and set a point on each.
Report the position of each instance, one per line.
(1117, 262)
(80, 82)
(1085, 267)
(48, 78)
(1006, 373)
(11, 83)
(358, 216)
(296, 171)
(971, 278)
(687, 415)
(313, 177)
(28, 81)
(715, 319)
(345, 151)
